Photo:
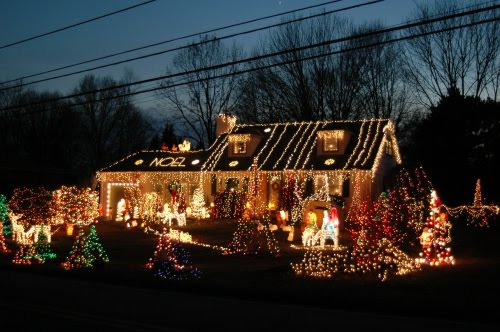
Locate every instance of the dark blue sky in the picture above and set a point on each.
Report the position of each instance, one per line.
(151, 23)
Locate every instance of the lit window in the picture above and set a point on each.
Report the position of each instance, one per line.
(240, 147)
(388, 148)
(331, 143)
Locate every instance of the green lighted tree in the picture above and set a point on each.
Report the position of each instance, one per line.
(41, 250)
(86, 252)
(4, 212)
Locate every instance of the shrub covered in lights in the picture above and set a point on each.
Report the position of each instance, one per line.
(34, 205)
(76, 205)
(229, 204)
(171, 261)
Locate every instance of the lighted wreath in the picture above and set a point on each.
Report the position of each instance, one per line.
(275, 186)
(174, 186)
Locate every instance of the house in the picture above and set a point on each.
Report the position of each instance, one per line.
(272, 164)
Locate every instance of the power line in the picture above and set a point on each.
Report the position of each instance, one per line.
(194, 44)
(255, 58)
(75, 25)
(172, 40)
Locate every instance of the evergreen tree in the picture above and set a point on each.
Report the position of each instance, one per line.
(155, 143)
(3, 245)
(168, 136)
(4, 219)
(436, 235)
(41, 251)
(253, 237)
(86, 251)
(94, 248)
(171, 261)
(198, 204)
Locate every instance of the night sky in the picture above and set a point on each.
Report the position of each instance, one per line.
(144, 25)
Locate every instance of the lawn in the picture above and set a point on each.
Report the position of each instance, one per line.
(467, 290)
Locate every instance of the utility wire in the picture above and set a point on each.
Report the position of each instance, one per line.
(194, 44)
(172, 40)
(75, 25)
(255, 58)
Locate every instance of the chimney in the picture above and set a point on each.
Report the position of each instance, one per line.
(224, 124)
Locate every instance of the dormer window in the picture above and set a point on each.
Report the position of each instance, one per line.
(331, 144)
(388, 148)
(332, 141)
(240, 147)
(240, 144)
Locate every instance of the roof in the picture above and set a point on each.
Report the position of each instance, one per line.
(283, 146)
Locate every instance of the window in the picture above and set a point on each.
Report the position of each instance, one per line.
(388, 148)
(240, 147)
(232, 184)
(331, 143)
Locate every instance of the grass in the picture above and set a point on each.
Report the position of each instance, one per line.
(447, 292)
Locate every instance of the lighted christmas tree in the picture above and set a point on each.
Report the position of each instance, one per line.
(198, 204)
(41, 250)
(94, 247)
(436, 235)
(4, 212)
(3, 245)
(78, 256)
(252, 237)
(171, 261)
(86, 251)
(478, 201)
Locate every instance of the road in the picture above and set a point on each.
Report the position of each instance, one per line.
(33, 302)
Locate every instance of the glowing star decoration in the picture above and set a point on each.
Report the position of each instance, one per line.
(138, 162)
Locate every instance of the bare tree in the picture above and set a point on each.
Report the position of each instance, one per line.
(111, 125)
(291, 88)
(464, 58)
(207, 93)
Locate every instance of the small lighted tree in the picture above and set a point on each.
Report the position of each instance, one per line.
(478, 201)
(132, 195)
(253, 237)
(86, 251)
(150, 205)
(171, 261)
(198, 205)
(435, 249)
(95, 248)
(4, 219)
(3, 245)
(41, 250)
